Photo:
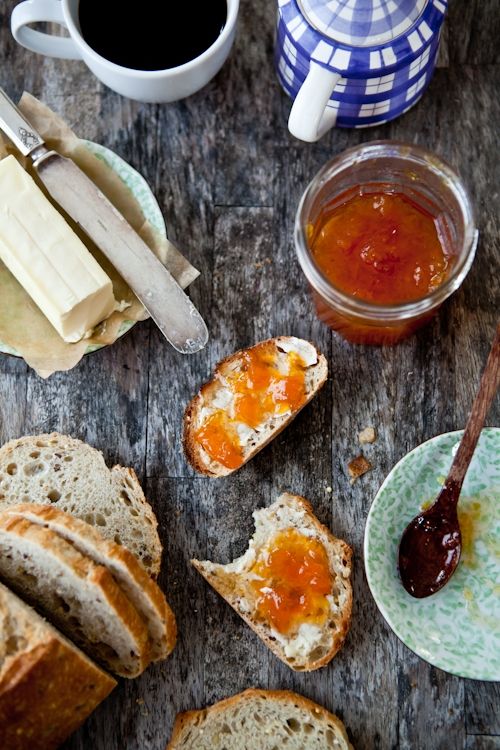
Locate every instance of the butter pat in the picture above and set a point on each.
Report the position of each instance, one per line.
(48, 259)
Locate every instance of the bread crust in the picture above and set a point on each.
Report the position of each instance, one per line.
(84, 536)
(226, 585)
(48, 688)
(284, 697)
(192, 449)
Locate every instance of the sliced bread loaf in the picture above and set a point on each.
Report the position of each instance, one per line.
(80, 597)
(253, 395)
(292, 585)
(70, 475)
(48, 687)
(131, 576)
(260, 720)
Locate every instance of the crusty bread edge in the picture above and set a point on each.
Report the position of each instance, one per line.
(282, 696)
(191, 448)
(35, 677)
(260, 630)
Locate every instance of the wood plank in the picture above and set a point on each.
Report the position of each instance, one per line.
(478, 742)
(474, 30)
(248, 122)
(113, 384)
(430, 705)
(482, 701)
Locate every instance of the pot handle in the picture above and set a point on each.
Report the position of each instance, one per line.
(32, 11)
(310, 118)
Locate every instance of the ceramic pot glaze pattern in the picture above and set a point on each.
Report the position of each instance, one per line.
(355, 63)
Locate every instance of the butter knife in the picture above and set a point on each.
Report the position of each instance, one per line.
(169, 306)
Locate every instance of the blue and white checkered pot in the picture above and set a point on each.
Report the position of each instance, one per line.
(354, 63)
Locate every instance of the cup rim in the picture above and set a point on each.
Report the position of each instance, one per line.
(365, 309)
(232, 15)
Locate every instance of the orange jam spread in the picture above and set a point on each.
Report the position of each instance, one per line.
(293, 582)
(380, 247)
(219, 441)
(260, 392)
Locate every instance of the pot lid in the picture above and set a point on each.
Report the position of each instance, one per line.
(362, 23)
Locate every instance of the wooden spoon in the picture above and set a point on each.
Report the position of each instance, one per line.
(430, 546)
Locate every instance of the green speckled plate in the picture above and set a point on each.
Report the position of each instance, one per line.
(150, 208)
(457, 629)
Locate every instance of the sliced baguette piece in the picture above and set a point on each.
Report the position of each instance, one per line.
(126, 570)
(217, 394)
(260, 720)
(48, 687)
(81, 598)
(70, 475)
(308, 647)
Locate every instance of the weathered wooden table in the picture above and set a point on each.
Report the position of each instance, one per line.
(228, 177)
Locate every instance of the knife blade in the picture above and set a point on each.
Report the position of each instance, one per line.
(169, 306)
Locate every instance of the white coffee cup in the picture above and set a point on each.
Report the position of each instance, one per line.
(143, 85)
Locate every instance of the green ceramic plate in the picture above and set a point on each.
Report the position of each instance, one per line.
(457, 629)
(150, 208)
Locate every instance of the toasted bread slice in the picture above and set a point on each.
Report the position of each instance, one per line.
(78, 596)
(219, 397)
(70, 475)
(308, 645)
(48, 687)
(127, 571)
(263, 719)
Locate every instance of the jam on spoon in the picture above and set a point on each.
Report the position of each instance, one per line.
(430, 546)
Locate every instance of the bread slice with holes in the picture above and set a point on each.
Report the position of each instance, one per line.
(218, 396)
(72, 476)
(48, 687)
(263, 720)
(77, 595)
(127, 571)
(310, 643)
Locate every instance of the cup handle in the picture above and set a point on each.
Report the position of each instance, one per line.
(310, 118)
(32, 11)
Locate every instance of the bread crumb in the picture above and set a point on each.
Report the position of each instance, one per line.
(140, 701)
(329, 490)
(367, 435)
(357, 467)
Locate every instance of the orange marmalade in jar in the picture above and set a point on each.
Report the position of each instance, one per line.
(384, 234)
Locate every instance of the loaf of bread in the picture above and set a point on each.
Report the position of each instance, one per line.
(260, 720)
(293, 560)
(47, 686)
(133, 579)
(90, 588)
(253, 395)
(63, 472)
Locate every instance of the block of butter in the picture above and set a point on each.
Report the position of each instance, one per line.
(48, 259)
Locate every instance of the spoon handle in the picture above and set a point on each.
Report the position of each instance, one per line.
(488, 387)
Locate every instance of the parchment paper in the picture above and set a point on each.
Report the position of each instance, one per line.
(22, 325)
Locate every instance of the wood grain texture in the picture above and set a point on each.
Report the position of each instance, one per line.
(228, 177)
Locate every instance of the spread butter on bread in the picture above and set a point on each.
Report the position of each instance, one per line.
(263, 719)
(292, 585)
(57, 470)
(253, 395)
(48, 687)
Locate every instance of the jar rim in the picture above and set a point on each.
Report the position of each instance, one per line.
(354, 305)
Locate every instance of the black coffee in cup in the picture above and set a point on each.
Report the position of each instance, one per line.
(155, 35)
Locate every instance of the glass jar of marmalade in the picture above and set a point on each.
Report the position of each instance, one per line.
(384, 233)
